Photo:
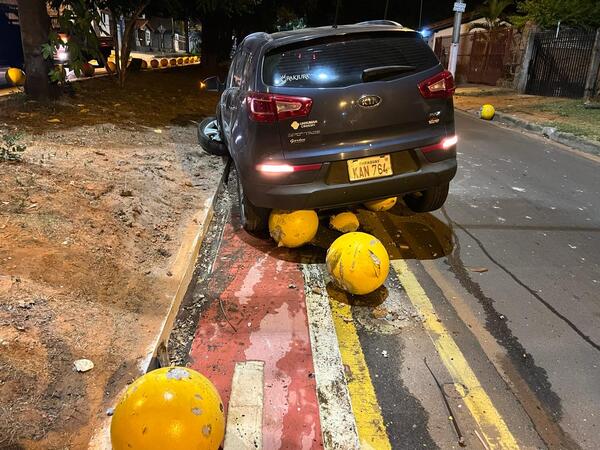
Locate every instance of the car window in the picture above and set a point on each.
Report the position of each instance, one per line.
(236, 70)
(232, 68)
(340, 60)
(247, 68)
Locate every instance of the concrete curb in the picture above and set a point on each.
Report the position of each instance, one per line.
(568, 139)
(156, 354)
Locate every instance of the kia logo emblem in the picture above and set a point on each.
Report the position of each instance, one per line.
(369, 101)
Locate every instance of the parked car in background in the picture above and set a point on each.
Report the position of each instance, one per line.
(319, 118)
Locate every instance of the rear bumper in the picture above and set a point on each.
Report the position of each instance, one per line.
(317, 194)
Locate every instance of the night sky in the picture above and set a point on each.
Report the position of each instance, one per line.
(404, 11)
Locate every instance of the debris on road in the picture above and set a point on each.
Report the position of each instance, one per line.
(478, 269)
(451, 416)
(358, 263)
(381, 205)
(293, 228)
(345, 222)
(83, 365)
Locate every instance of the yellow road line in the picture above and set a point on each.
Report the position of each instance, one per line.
(482, 409)
(372, 432)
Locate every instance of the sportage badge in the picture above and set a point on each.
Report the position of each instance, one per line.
(369, 101)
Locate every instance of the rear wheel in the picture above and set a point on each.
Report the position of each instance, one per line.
(428, 200)
(209, 137)
(252, 218)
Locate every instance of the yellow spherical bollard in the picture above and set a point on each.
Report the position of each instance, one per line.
(179, 61)
(164, 62)
(173, 62)
(154, 63)
(293, 228)
(186, 60)
(172, 407)
(487, 112)
(358, 263)
(345, 222)
(111, 67)
(381, 205)
(15, 76)
(144, 64)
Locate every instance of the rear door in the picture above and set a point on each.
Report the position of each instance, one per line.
(365, 93)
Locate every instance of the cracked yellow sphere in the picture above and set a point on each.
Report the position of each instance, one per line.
(344, 222)
(293, 228)
(15, 76)
(358, 263)
(173, 408)
(381, 205)
(487, 112)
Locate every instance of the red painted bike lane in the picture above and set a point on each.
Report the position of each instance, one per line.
(262, 294)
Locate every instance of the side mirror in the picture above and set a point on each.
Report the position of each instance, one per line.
(212, 84)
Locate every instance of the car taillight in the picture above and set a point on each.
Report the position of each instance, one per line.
(438, 86)
(444, 144)
(286, 168)
(273, 107)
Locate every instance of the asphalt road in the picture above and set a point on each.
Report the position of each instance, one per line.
(529, 211)
(495, 297)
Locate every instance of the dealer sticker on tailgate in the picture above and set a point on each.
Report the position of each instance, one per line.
(371, 167)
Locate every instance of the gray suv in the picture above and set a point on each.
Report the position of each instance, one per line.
(325, 117)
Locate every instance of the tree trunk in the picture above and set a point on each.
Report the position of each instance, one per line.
(126, 48)
(35, 30)
(216, 40)
(186, 32)
(115, 35)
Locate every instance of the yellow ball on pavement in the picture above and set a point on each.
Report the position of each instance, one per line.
(381, 205)
(169, 408)
(358, 262)
(293, 228)
(15, 76)
(345, 222)
(487, 112)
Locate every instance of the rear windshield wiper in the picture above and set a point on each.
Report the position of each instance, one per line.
(378, 73)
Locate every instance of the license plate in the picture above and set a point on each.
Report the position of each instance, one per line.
(372, 167)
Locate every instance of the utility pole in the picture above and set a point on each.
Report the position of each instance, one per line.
(459, 8)
(387, 3)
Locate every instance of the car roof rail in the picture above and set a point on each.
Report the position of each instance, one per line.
(381, 22)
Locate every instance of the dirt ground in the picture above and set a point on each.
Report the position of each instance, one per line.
(90, 222)
(565, 114)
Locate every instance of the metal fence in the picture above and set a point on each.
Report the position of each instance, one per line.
(559, 63)
(483, 56)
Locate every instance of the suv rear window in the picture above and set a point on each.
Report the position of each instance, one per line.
(340, 60)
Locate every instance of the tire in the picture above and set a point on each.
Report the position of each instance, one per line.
(252, 218)
(209, 137)
(429, 200)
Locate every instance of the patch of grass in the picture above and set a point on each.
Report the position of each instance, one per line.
(10, 149)
(467, 92)
(571, 116)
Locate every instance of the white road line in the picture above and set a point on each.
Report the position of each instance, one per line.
(337, 419)
(245, 412)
